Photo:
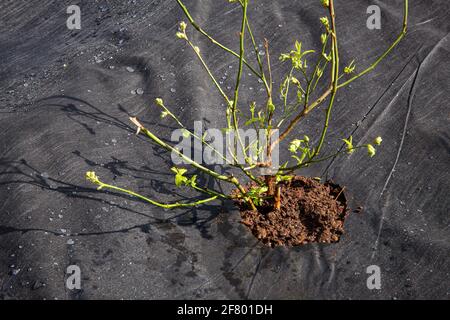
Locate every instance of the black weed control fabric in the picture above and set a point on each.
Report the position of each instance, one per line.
(64, 105)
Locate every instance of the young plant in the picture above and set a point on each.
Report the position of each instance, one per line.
(278, 116)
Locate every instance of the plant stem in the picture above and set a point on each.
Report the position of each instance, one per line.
(278, 198)
(301, 115)
(201, 139)
(334, 77)
(285, 95)
(393, 45)
(258, 58)
(204, 33)
(229, 179)
(158, 141)
(158, 204)
(205, 66)
(288, 170)
(238, 79)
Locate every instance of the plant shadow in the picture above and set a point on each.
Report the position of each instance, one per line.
(23, 172)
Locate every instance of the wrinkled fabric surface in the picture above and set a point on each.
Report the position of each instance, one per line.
(64, 105)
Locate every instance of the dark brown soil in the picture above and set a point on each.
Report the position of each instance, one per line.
(310, 212)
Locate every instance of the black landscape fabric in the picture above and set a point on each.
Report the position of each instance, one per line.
(66, 96)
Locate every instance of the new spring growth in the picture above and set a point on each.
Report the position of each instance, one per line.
(349, 142)
(327, 56)
(160, 103)
(301, 149)
(296, 144)
(181, 180)
(370, 150)
(325, 3)
(181, 34)
(319, 73)
(325, 22)
(377, 141)
(295, 81)
(92, 177)
(302, 146)
(350, 68)
(296, 56)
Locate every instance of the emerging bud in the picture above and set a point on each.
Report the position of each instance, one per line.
(164, 114)
(323, 38)
(327, 56)
(159, 102)
(325, 3)
(284, 57)
(349, 143)
(92, 177)
(295, 145)
(377, 141)
(183, 26)
(370, 150)
(295, 81)
(325, 22)
(181, 35)
(270, 106)
(350, 68)
(319, 73)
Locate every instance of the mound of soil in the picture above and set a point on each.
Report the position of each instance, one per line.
(310, 212)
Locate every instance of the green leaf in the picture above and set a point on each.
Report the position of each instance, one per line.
(192, 181)
(180, 179)
(371, 150)
(270, 106)
(250, 121)
(300, 159)
(298, 46)
(280, 178)
(378, 141)
(350, 68)
(349, 143)
(178, 170)
(295, 145)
